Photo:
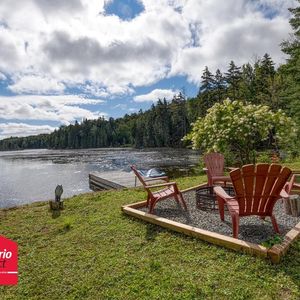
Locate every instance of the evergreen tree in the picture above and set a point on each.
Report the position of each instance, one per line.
(267, 66)
(207, 82)
(162, 124)
(247, 84)
(265, 81)
(292, 46)
(233, 77)
(205, 96)
(149, 134)
(179, 121)
(290, 94)
(220, 86)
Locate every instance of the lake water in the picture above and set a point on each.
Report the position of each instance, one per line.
(32, 175)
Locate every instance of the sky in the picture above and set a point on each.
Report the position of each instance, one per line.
(66, 60)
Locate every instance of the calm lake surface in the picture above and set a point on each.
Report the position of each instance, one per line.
(32, 175)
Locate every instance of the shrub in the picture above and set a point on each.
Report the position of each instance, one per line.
(241, 128)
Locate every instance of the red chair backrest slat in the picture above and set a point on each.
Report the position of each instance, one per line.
(258, 187)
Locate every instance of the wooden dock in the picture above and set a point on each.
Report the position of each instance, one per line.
(112, 180)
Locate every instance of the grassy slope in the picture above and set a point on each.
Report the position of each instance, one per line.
(294, 165)
(93, 251)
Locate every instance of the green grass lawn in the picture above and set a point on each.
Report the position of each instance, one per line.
(94, 251)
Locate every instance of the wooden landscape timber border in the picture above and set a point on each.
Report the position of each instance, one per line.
(275, 253)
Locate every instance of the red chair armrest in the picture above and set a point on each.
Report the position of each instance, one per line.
(165, 178)
(221, 193)
(160, 185)
(284, 194)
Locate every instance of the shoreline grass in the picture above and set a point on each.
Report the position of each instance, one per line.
(94, 251)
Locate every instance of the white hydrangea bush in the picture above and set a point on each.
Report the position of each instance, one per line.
(240, 127)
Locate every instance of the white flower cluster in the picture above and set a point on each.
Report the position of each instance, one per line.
(234, 123)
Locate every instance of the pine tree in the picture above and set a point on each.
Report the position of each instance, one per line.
(179, 121)
(205, 96)
(149, 134)
(267, 66)
(265, 81)
(207, 82)
(220, 86)
(233, 77)
(247, 84)
(291, 70)
(162, 125)
(292, 46)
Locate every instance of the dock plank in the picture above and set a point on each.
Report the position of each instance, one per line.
(112, 180)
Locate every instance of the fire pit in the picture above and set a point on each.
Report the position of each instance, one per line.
(206, 198)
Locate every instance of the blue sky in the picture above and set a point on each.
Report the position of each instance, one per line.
(66, 60)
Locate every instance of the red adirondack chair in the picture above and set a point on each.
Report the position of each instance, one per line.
(257, 188)
(170, 189)
(214, 163)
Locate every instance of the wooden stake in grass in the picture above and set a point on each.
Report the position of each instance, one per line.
(57, 204)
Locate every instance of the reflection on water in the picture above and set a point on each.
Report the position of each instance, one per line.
(32, 175)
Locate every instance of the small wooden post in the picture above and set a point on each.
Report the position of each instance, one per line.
(295, 205)
(287, 206)
(292, 205)
(58, 203)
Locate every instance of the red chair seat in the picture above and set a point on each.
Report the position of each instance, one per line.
(168, 192)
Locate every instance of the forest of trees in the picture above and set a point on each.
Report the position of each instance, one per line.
(166, 123)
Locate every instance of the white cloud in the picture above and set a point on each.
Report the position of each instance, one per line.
(231, 30)
(73, 43)
(63, 109)
(156, 94)
(242, 41)
(12, 54)
(275, 6)
(2, 76)
(116, 55)
(119, 90)
(36, 85)
(95, 90)
(21, 129)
